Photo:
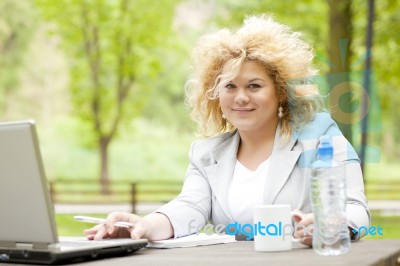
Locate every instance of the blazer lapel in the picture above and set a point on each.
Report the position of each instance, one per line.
(283, 160)
(221, 173)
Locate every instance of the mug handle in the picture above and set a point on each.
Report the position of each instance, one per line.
(296, 216)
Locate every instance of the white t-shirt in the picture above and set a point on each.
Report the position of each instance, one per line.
(246, 191)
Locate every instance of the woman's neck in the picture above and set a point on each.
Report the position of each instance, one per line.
(255, 147)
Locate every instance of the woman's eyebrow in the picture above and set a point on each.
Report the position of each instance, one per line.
(254, 79)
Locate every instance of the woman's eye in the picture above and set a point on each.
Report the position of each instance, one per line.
(229, 86)
(254, 86)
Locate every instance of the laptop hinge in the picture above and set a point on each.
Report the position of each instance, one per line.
(8, 244)
(31, 246)
(40, 245)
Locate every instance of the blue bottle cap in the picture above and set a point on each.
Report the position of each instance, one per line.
(325, 147)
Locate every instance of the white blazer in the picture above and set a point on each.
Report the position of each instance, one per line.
(204, 195)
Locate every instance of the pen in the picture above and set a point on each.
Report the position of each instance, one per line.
(94, 220)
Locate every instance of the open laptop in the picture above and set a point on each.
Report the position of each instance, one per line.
(27, 227)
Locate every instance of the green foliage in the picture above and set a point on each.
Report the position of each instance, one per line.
(307, 16)
(165, 100)
(385, 50)
(112, 48)
(111, 45)
(385, 69)
(17, 25)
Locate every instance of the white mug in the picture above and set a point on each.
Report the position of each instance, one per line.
(273, 226)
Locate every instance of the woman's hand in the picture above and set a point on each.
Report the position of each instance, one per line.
(304, 219)
(141, 228)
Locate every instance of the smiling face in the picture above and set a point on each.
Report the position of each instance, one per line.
(249, 101)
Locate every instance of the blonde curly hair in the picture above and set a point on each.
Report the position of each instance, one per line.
(285, 57)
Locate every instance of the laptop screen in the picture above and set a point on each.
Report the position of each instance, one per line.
(26, 212)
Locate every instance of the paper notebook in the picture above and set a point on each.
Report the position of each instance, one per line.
(192, 241)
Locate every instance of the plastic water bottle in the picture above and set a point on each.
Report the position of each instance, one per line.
(328, 197)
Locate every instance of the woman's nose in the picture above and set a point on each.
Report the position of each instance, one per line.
(241, 97)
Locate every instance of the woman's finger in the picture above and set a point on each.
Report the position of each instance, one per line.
(300, 233)
(306, 241)
(297, 215)
(91, 232)
(304, 224)
(101, 233)
(139, 231)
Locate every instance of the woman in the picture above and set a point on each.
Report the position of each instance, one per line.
(251, 97)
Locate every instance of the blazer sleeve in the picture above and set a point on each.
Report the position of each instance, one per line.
(191, 209)
(357, 210)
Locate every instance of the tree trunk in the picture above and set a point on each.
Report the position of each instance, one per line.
(340, 36)
(104, 177)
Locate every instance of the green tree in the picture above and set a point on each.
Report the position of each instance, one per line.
(17, 25)
(386, 68)
(340, 38)
(114, 51)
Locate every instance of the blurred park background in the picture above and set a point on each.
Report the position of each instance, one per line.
(104, 81)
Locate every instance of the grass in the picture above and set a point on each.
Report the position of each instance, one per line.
(382, 171)
(382, 181)
(390, 225)
(68, 226)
